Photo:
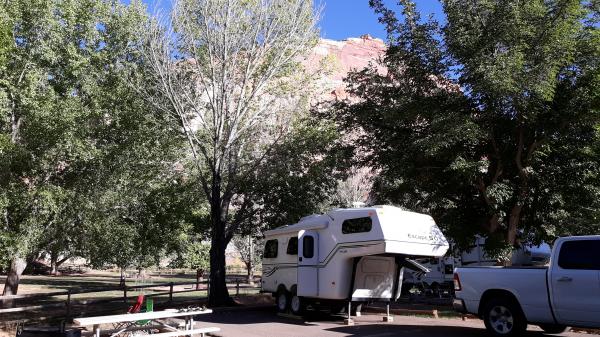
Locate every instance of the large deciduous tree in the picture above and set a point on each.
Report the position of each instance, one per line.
(229, 72)
(76, 148)
(487, 122)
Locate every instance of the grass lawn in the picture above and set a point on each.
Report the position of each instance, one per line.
(39, 284)
(84, 305)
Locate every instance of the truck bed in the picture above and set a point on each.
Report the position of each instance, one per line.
(527, 284)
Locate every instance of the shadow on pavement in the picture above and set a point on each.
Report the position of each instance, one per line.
(268, 315)
(331, 325)
(383, 330)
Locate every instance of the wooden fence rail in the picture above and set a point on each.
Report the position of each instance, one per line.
(68, 302)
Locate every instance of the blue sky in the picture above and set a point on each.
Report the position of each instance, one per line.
(347, 18)
(353, 18)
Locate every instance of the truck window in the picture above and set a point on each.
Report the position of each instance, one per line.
(357, 225)
(308, 247)
(270, 249)
(292, 248)
(580, 254)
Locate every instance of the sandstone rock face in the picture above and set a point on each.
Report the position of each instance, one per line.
(336, 59)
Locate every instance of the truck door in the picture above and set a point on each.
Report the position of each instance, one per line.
(575, 282)
(308, 263)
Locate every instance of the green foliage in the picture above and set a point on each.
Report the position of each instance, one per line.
(298, 176)
(5, 39)
(196, 255)
(487, 122)
(84, 170)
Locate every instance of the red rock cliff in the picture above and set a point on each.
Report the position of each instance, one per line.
(338, 58)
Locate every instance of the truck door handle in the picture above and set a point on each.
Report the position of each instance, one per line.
(565, 279)
(300, 259)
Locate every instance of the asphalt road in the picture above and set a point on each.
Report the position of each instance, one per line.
(268, 324)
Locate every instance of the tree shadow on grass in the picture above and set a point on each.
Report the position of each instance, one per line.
(74, 283)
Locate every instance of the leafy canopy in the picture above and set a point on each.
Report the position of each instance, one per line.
(83, 169)
(487, 122)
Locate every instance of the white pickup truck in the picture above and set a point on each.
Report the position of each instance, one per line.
(567, 293)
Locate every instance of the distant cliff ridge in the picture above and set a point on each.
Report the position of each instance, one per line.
(340, 57)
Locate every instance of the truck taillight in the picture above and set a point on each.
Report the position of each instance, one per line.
(457, 286)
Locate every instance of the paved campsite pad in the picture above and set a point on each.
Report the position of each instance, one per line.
(268, 324)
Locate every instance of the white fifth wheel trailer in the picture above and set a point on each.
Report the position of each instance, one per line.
(346, 255)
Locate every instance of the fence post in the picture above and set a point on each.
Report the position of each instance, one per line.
(125, 294)
(171, 292)
(237, 288)
(69, 304)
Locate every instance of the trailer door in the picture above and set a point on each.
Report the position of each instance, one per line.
(308, 263)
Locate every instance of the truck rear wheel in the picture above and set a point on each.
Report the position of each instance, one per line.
(503, 317)
(282, 299)
(553, 328)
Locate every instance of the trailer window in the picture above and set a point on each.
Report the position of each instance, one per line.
(580, 254)
(358, 225)
(270, 249)
(292, 248)
(308, 247)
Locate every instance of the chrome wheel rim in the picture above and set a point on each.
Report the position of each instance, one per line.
(501, 319)
(295, 304)
(281, 301)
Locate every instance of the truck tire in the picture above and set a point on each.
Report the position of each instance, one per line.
(553, 328)
(503, 317)
(282, 299)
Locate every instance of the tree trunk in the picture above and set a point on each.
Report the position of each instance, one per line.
(122, 281)
(53, 263)
(250, 265)
(199, 274)
(218, 296)
(11, 286)
(17, 266)
(513, 224)
(61, 261)
(250, 270)
(217, 293)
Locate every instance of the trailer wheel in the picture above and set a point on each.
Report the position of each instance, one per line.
(297, 303)
(282, 300)
(553, 328)
(503, 317)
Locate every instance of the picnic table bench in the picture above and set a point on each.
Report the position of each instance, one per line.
(154, 316)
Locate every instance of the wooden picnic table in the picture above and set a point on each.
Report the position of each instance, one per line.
(153, 316)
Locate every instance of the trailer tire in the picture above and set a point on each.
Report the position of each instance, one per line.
(504, 318)
(282, 300)
(297, 303)
(553, 328)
